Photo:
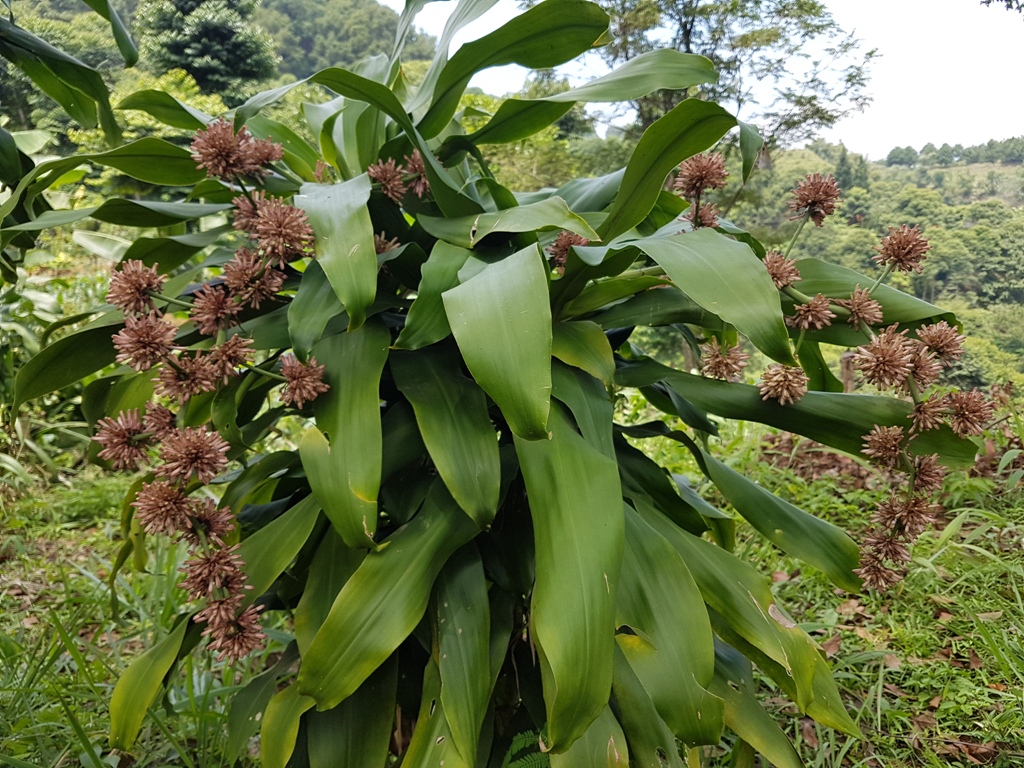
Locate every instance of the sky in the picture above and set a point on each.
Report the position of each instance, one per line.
(947, 70)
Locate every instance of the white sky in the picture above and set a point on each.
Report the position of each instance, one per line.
(947, 71)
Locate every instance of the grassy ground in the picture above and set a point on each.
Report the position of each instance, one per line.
(934, 672)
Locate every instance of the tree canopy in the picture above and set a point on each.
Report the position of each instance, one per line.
(771, 55)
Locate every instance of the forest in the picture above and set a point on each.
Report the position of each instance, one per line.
(353, 414)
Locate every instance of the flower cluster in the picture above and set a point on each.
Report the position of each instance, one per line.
(559, 249)
(696, 176)
(183, 458)
(395, 179)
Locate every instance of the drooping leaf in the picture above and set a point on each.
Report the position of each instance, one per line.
(332, 566)
(549, 34)
(468, 231)
(451, 412)
(501, 320)
(650, 740)
(383, 601)
(272, 548)
(314, 306)
(689, 128)
(280, 726)
(248, 704)
(432, 743)
(602, 746)
(751, 142)
(344, 241)
(64, 362)
(576, 507)
(520, 118)
(463, 636)
(726, 278)
(357, 732)
(122, 36)
(426, 322)
(672, 647)
(138, 686)
(582, 344)
(838, 420)
(344, 472)
(167, 109)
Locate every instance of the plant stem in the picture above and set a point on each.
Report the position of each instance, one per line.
(170, 300)
(632, 274)
(881, 277)
(268, 374)
(796, 234)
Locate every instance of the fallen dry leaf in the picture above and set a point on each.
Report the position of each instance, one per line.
(831, 646)
(990, 616)
(809, 733)
(974, 661)
(892, 661)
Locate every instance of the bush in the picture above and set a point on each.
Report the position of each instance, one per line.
(463, 529)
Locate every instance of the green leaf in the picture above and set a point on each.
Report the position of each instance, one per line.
(663, 69)
(332, 566)
(167, 109)
(248, 704)
(672, 650)
(432, 743)
(280, 726)
(739, 594)
(138, 686)
(689, 128)
(602, 746)
(273, 547)
(64, 362)
(804, 536)
(650, 740)
(121, 35)
(298, 154)
(833, 280)
(576, 505)
(463, 636)
(451, 412)
(171, 252)
(468, 231)
(344, 241)
(590, 404)
(426, 322)
(383, 601)
(551, 33)
(751, 142)
(501, 320)
(726, 278)
(346, 477)
(838, 420)
(583, 345)
(314, 306)
(357, 732)
(745, 717)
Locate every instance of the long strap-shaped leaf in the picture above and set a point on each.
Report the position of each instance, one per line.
(451, 412)
(345, 473)
(344, 241)
(689, 128)
(669, 69)
(602, 746)
(501, 319)
(672, 651)
(576, 506)
(426, 322)
(838, 420)
(383, 601)
(551, 33)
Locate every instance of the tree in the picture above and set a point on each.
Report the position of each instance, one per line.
(758, 46)
(463, 509)
(901, 156)
(1011, 5)
(311, 35)
(215, 41)
(844, 170)
(861, 174)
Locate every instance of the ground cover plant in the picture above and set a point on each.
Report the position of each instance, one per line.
(459, 550)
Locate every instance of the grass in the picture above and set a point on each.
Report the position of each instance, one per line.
(933, 672)
(62, 650)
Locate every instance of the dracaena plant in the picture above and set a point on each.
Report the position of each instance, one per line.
(464, 544)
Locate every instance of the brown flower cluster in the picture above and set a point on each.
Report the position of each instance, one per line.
(700, 173)
(815, 197)
(812, 316)
(704, 215)
(783, 383)
(719, 363)
(783, 271)
(559, 250)
(903, 249)
(230, 155)
(395, 179)
(894, 360)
